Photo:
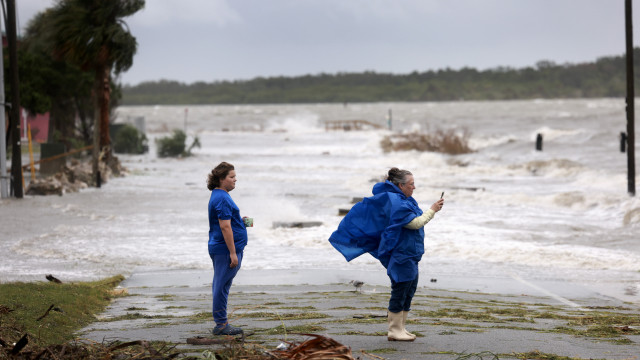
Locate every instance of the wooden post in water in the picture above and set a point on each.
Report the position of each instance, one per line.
(631, 166)
(539, 142)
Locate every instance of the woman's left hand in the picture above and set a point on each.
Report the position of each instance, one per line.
(437, 206)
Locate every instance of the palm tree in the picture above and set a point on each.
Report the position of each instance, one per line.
(54, 86)
(92, 35)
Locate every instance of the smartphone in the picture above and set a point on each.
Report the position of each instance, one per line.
(441, 195)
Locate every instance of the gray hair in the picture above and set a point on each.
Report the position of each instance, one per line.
(397, 176)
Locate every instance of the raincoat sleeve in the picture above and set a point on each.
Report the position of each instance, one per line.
(421, 221)
(360, 230)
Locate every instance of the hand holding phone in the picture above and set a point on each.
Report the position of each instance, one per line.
(437, 206)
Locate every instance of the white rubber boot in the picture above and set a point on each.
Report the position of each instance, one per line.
(396, 330)
(404, 322)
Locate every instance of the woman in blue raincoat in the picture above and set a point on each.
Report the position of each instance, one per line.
(390, 226)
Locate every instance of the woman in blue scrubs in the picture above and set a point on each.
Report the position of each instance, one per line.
(390, 226)
(227, 239)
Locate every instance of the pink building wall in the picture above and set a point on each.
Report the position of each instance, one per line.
(39, 126)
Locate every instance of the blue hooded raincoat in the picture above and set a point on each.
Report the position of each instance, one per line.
(376, 226)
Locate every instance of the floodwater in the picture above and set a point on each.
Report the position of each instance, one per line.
(562, 213)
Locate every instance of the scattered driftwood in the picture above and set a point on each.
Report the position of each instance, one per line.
(48, 186)
(203, 340)
(71, 178)
(296, 224)
(451, 141)
(24, 340)
(318, 347)
(343, 211)
(53, 279)
(5, 309)
(52, 307)
(89, 350)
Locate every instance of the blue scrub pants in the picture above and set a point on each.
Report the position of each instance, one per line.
(402, 294)
(222, 278)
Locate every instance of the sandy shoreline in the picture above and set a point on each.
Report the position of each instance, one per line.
(274, 305)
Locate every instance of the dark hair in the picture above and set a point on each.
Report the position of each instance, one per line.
(397, 176)
(218, 173)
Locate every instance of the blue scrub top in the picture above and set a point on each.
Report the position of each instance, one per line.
(222, 207)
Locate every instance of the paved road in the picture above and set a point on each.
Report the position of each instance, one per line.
(173, 306)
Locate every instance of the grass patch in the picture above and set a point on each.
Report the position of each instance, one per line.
(508, 311)
(597, 331)
(362, 333)
(447, 332)
(552, 315)
(477, 330)
(136, 316)
(621, 308)
(377, 308)
(526, 320)
(479, 356)
(607, 319)
(345, 308)
(540, 356)
(72, 305)
(201, 316)
(156, 325)
(383, 351)
(273, 303)
(286, 316)
(458, 313)
(458, 325)
(363, 320)
(304, 329)
(623, 341)
(297, 307)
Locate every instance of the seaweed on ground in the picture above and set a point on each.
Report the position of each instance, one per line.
(81, 349)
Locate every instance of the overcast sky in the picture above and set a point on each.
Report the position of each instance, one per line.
(212, 40)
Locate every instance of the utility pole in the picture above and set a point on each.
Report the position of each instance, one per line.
(631, 161)
(16, 159)
(4, 178)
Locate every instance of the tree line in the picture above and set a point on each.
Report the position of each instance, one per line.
(605, 77)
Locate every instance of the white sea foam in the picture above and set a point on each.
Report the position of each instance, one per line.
(478, 143)
(302, 122)
(550, 134)
(561, 210)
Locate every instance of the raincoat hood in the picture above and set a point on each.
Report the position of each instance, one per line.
(387, 186)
